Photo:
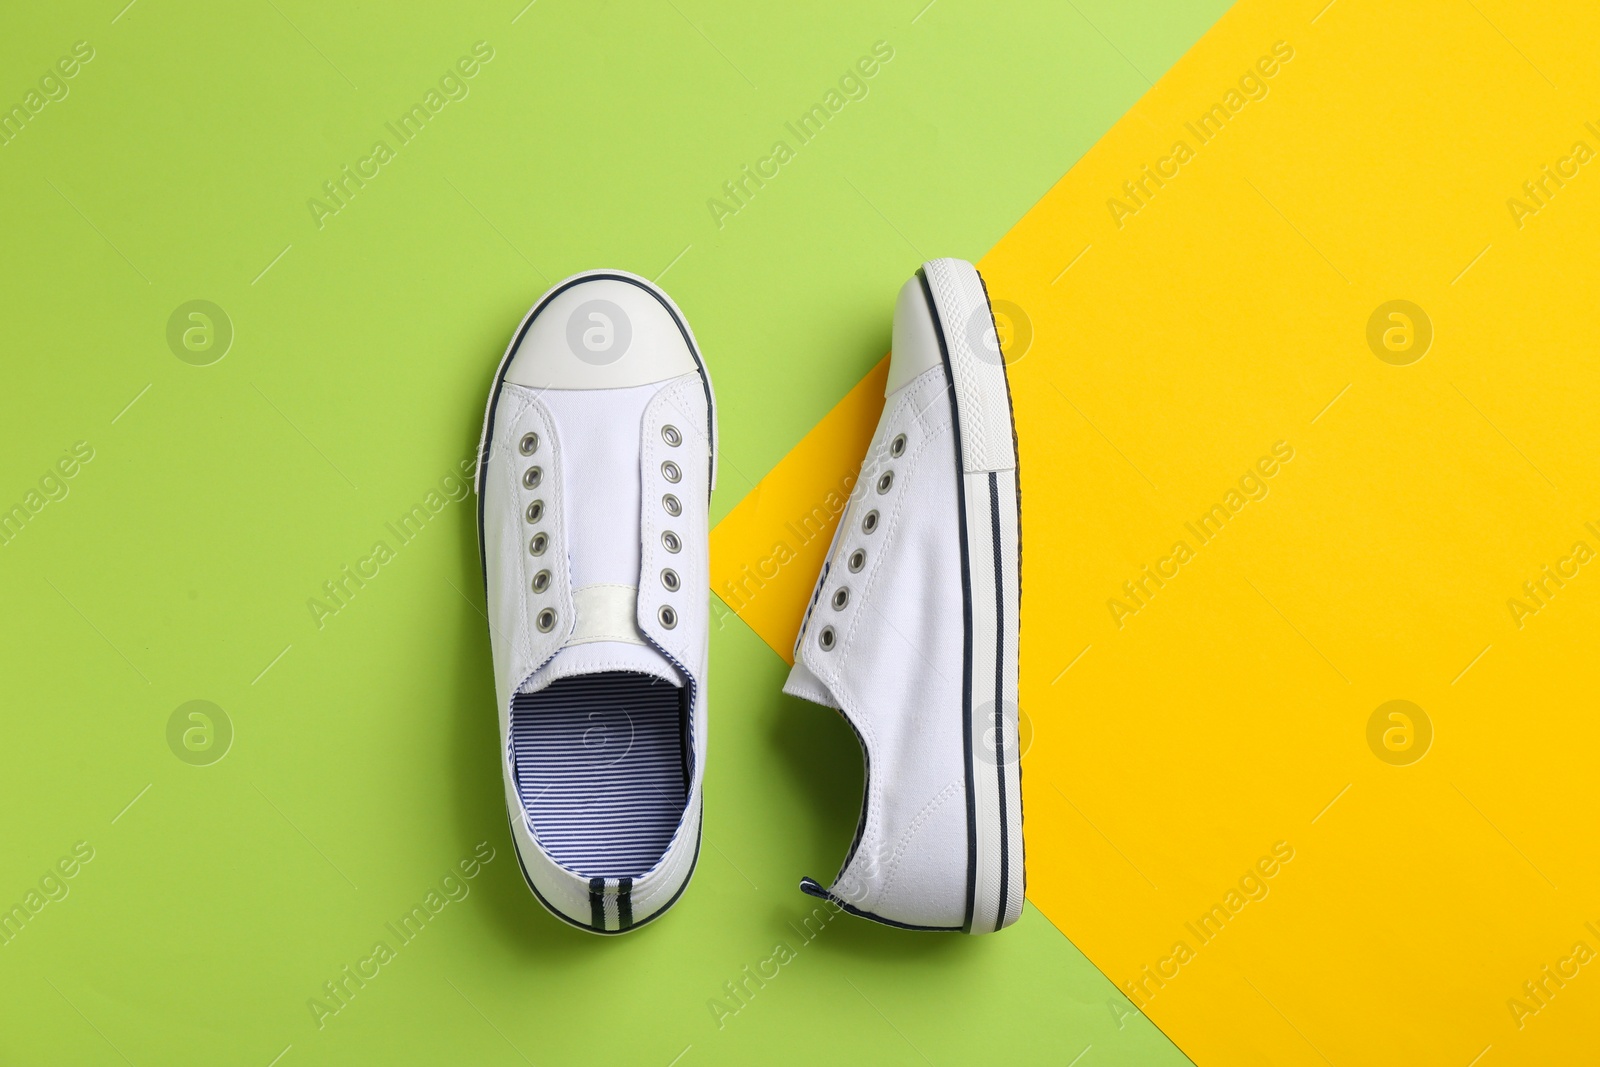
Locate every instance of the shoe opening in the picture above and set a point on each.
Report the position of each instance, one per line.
(602, 768)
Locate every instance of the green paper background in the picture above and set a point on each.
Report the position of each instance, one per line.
(363, 766)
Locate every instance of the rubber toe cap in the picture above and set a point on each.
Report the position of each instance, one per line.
(603, 330)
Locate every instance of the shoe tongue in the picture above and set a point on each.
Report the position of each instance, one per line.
(600, 657)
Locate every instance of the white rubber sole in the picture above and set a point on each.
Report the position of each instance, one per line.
(991, 587)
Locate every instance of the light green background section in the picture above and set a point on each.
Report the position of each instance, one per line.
(179, 564)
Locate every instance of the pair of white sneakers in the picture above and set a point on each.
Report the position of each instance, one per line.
(598, 457)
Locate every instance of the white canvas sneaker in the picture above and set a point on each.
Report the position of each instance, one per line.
(912, 631)
(594, 477)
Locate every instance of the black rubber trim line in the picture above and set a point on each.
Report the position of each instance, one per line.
(811, 887)
(511, 352)
(966, 606)
(570, 921)
(999, 690)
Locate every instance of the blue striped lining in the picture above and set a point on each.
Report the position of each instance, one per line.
(602, 769)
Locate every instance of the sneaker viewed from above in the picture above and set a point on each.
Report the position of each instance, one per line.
(594, 479)
(912, 630)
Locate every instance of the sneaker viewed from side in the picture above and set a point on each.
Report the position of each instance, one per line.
(595, 472)
(912, 630)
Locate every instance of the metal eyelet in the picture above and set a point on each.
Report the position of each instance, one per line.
(673, 505)
(897, 447)
(670, 541)
(534, 475)
(671, 436)
(885, 480)
(540, 542)
(858, 559)
(825, 639)
(841, 597)
(669, 578)
(670, 471)
(529, 444)
(535, 511)
(869, 522)
(546, 620)
(668, 617)
(541, 581)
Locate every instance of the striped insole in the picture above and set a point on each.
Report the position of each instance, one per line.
(602, 769)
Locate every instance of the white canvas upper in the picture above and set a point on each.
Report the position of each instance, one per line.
(911, 633)
(594, 482)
